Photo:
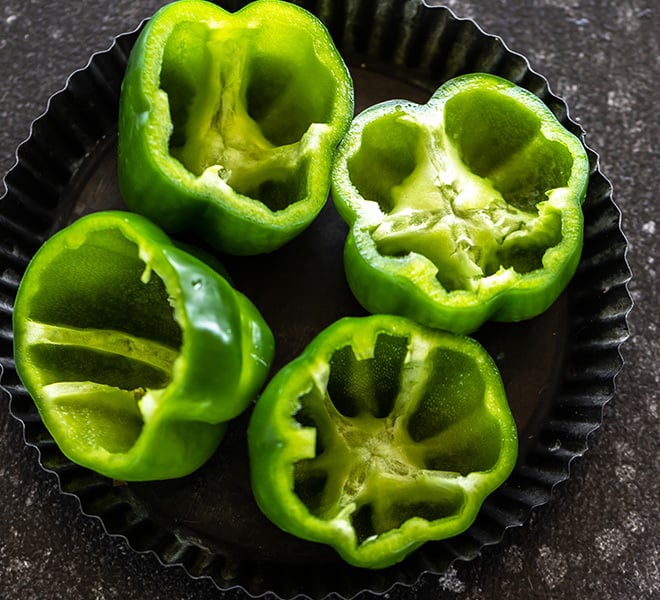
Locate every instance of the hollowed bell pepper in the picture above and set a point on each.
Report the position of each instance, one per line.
(135, 352)
(228, 123)
(380, 436)
(464, 209)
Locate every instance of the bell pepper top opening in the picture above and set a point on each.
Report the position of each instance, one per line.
(101, 338)
(394, 433)
(469, 186)
(242, 105)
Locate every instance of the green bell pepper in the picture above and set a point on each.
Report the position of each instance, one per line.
(135, 352)
(380, 436)
(228, 123)
(464, 209)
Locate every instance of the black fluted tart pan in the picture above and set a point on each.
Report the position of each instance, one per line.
(559, 369)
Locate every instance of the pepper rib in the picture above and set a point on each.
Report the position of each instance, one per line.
(143, 350)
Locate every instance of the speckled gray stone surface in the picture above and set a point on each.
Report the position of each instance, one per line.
(598, 538)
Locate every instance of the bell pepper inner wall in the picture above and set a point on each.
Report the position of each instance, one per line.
(367, 434)
(105, 331)
(245, 108)
(467, 192)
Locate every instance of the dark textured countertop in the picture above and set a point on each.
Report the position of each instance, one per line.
(598, 538)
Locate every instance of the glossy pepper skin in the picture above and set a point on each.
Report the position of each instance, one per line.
(380, 436)
(228, 123)
(464, 209)
(135, 352)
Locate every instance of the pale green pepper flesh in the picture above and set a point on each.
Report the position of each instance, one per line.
(248, 116)
(470, 205)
